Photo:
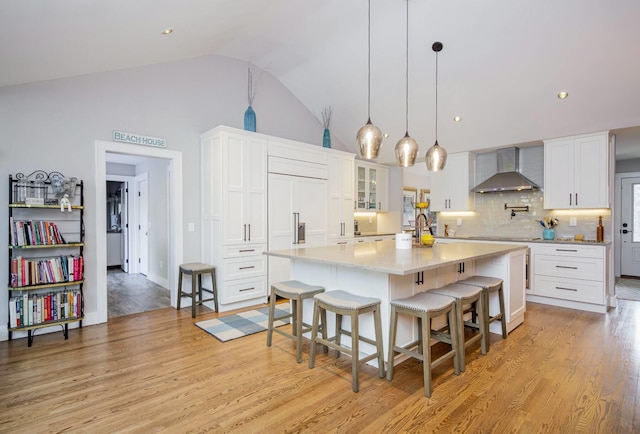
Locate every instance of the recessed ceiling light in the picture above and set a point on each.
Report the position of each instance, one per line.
(385, 135)
(457, 118)
(563, 94)
(167, 31)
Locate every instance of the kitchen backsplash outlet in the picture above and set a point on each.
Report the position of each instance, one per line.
(491, 219)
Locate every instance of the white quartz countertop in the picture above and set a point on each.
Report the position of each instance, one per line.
(383, 256)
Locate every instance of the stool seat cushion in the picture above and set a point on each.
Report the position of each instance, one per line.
(291, 288)
(424, 302)
(458, 291)
(483, 281)
(345, 300)
(195, 266)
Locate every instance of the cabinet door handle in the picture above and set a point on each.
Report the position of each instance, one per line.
(246, 250)
(566, 289)
(564, 266)
(249, 231)
(247, 289)
(379, 206)
(576, 199)
(570, 199)
(246, 268)
(419, 277)
(566, 250)
(244, 232)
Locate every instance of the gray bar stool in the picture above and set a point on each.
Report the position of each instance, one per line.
(464, 295)
(345, 303)
(490, 285)
(425, 306)
(297, 292)
(196, 270)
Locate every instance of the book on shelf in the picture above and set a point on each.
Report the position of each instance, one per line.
(41, 308)
(41, 271)
(34, 233)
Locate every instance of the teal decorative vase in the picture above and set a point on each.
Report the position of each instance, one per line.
(326, 138)
(250, 120)
(548, 234)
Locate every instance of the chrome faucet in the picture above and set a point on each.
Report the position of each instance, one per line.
(419, 226)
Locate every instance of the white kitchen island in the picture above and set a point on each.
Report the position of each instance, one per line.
(378, 269)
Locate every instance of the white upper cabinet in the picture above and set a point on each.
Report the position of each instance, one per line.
(340, 206)
(234, 169)
(371, 186)
(451, 188)
(576, 172)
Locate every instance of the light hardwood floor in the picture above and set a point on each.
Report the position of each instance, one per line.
(562, 371)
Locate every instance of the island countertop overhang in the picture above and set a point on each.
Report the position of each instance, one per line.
(382, 256)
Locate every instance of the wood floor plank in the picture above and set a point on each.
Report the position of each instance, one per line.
(562, 371)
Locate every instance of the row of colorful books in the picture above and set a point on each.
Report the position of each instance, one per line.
(40, 271)
(32, 309)
(34, 233)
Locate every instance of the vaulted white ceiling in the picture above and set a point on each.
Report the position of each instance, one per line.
(503, 63)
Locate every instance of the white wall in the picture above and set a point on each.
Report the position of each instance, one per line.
(53, 126)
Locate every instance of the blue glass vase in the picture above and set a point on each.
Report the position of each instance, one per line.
(548, 234)
(326, 138)
(250, 120)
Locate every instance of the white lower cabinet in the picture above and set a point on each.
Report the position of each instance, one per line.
(570, 276)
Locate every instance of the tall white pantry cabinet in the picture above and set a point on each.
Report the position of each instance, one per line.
(234, 214)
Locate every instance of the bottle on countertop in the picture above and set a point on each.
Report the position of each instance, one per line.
(446, 230)
(600, 230)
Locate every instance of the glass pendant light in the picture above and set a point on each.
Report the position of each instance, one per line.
(369, 137)
(436, 156)
(407, 148)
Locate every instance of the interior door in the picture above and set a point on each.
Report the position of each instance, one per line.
(124, 252)
(630, 227)
(143, 226)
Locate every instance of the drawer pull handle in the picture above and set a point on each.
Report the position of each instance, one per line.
(566, 289)
(342, 242)
(564, 266)
(566, 250)
(247, 289)
(246, 268)
(246, 250)
(379, 239)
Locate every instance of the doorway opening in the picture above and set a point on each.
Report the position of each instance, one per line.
(163, 223)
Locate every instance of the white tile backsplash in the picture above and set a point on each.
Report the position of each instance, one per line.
(490, 218)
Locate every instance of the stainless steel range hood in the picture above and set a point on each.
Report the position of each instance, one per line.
(508, 177)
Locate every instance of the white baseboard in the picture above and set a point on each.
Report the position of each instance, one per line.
(159, 280)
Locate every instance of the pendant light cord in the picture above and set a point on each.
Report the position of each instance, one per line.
(436, 97)
(369, 67)
(407, 76)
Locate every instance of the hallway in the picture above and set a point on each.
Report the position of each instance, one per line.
(133, 293)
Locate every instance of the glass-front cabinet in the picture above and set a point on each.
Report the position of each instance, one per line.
(371, 187)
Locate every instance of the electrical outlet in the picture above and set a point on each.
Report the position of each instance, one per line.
(573, 221)
(459, 222)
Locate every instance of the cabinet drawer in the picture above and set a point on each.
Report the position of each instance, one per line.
(237, 268)
(243, 289)
(570, 250)
(569, 289)
(569, 267)
(243, 250)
